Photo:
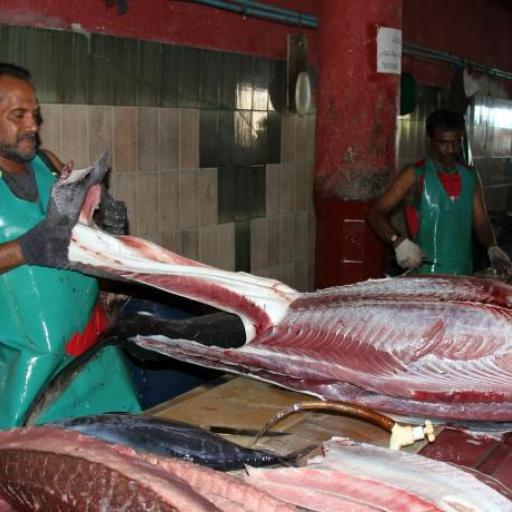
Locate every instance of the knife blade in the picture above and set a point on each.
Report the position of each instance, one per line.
(220, 429)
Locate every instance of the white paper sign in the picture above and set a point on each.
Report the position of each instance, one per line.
(389, 50)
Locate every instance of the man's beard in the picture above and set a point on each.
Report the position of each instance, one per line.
(13, 153)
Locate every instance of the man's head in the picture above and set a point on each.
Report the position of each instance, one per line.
(445, 129)
(20, 117)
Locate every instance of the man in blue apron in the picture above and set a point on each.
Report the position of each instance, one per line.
(48, 314)
(445, 206)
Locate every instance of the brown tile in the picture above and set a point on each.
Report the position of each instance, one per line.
(171, 241)
(168, 139)
(188, 138)
(149, 206)
(286, 238)
(169, 206)
(287, 274)
(74, 135)
(147, 139)
(272, 241)
(287, 188)
(125, 138)
(301, 140)
(50, 129)
(208, 245)
(188, 198)
(273, 186)
(310, 139)
(190, 243)
(207, 197)
(258, 243)
(100, 132)
(226, 246)
(125, 186)
(288, 138)
(301, 187)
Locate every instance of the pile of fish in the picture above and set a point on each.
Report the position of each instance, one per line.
(51, 468)
(363, 478)
(430, 346)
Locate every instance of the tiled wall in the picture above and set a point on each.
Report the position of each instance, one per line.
(204, 153)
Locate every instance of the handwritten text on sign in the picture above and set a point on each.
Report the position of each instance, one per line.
(389, 50)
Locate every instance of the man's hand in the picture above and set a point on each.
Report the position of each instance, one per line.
(47, 243)
(408, 254)
(112, 214)
(500, 262)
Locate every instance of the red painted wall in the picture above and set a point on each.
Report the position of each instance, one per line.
(171, 21)
(479, 30)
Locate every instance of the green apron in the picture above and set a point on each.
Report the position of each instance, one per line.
(41, 309)
(445, 229)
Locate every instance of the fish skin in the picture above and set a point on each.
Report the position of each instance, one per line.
(433, 345)
(171, 438)
(48, 468)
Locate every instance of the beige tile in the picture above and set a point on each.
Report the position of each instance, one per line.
(75, 144)
(126, 190)
(301, 142)
(259, 248)
(288, 137)
(310, 179)
(149, 206)
(169, 206)
(100, 132)
(273, 172)
(50, 129)
(208, 245)
(226, 246)
(301, 250)
(190, 243)
(147, 139)
(286, 238)
(272, 241)
(168, 146)
(287, 188)
(188, 136)
(208, 197)
(188, 198)
(125, 138)
(301, 275)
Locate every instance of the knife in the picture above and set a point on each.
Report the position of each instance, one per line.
(220, 429)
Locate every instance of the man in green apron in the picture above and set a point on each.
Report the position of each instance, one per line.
(445, 206)
(48, 314)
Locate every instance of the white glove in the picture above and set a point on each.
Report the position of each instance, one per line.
(500, 262)
(408, 254)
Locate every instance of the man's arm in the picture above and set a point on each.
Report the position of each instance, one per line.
(378, 214)
(481, 222)
(10, 256)
(484, 232)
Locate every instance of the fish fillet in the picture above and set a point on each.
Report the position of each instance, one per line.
(435, 346)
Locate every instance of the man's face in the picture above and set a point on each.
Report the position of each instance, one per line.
(447, 146)
(20, 120)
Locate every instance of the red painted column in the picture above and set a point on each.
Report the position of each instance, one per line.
(356, 124)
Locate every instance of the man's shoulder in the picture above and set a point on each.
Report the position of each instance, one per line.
(50, 160)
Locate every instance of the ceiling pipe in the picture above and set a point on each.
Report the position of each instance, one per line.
(265, 11)
(289, 17)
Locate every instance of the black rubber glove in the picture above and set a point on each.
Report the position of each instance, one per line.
(47, 243)
(112, 214)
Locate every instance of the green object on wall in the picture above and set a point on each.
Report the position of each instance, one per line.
(407, 94)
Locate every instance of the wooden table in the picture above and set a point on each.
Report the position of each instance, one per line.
(241, 402)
